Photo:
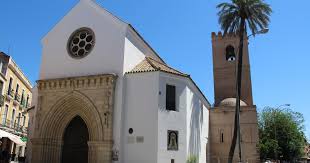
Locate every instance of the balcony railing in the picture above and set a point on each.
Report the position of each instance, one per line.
(13, 126)
(17, 97)
(23, 104)
(11, 92)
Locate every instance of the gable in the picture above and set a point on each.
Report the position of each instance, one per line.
(78, 10)
(105, 57)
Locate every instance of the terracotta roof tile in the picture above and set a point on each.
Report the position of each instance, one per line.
(149, 64)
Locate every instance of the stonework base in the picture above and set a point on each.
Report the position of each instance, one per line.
(221, 133)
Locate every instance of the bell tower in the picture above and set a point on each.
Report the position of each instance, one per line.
(225, 53)
(222, 115)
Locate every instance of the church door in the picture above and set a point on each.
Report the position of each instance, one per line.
(75, 148)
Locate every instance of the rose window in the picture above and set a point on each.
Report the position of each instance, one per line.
(81, 43)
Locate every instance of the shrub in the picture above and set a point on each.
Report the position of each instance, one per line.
(192, 159)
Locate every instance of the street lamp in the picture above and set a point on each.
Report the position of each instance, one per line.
(262, 31)
(275, 127)
(287, 105)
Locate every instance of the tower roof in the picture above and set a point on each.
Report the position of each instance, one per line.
(231, 102)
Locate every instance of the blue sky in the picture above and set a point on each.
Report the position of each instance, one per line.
(180, 31)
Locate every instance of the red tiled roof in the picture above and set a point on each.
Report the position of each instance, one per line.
(149, 65)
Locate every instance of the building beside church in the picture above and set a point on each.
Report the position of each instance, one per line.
(104, 95)
(15, 98)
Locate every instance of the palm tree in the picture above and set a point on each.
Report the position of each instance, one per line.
(237, 17)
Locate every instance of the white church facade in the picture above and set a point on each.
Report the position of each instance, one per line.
(104, 95)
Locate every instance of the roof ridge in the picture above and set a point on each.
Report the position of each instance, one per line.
(150, 62)
(101, 7)
(155, 60)
(167, 66)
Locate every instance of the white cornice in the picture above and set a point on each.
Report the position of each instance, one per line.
(19, 73)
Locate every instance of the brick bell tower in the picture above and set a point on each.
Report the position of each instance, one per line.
(225, 52)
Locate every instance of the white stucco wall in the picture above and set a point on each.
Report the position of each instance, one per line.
(145, 112)
(191, 120)
(106, 56)
(172, 120)
(197, 125)
(132, 55)
(140, 114)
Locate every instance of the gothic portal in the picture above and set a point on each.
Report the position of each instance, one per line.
(73, 120)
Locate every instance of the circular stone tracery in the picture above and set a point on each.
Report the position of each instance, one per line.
(81, 43)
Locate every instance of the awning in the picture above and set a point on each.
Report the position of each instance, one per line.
(16, 139)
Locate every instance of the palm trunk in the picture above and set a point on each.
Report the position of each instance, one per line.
(238, 94)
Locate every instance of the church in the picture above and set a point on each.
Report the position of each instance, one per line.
(105, 96)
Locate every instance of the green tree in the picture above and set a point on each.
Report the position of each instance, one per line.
(238, 17)
(192, 159)
(281, 134)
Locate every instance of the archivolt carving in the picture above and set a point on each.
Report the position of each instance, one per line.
(64, 110)
(60, 100)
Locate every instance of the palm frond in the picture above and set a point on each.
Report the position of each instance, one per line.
(256, 13)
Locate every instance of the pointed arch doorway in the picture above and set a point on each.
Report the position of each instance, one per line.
(70, 106)
(75, 138)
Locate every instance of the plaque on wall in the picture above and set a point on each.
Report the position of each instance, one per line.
(140, 139)
(131, 139)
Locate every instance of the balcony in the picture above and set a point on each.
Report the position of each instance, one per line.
(10, 95)
(16, 99)
(13, 127)
(23, 105)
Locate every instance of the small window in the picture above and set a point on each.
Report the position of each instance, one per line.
(173, 140)
(22, 98)
(18, 119)
(10, 86)
(172, 160)
(230, 53)
(5, 114)
(13, 118)
(24, 120)
(27, 101)
(222, 136)
(170, 98)
(16, 92)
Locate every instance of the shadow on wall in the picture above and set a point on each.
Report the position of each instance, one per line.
(196, 122)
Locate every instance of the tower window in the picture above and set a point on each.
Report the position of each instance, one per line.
(170, 98)
(230, 53)
(221, 136)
